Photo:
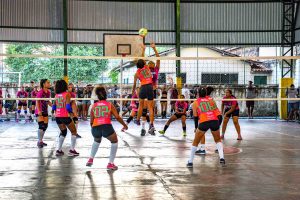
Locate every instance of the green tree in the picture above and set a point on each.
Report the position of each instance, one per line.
(38, 68)
(114, 76)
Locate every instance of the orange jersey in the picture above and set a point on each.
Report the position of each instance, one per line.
(217, 111)
(101, 112)
(206, 109)
(144, 75)
(60, 102)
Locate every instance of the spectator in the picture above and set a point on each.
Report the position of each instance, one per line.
(251, 93)
(293, 105)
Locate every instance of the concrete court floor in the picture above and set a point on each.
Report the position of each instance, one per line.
(153, 167)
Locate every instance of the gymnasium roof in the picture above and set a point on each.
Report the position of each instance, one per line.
(202, 22)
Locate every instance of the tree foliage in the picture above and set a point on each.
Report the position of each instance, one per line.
(38, 68)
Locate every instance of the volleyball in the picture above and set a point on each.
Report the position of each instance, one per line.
(143, 32)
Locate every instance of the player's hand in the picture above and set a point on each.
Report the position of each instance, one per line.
(125, 127)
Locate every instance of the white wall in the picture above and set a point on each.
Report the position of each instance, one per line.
(204, 66)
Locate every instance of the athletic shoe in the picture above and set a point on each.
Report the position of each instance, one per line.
(73, 153)
(184, 134)
(137, 122)
(161, 132)
(78, 136)
(90, 162)
(151, 130)
(200, 152)
(222, 161)
(143, 132)
(111, 166)
(44, 144)
(189, 165)
(59, 153)
(40, 145)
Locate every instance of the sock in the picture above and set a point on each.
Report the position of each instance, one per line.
(129, 119)
(193, 150)
(184, 128)
(25, 112)
(113, 152)
(220, 149)
(143, 124)
(61, 140)
(76, 125)
(202, 146)
(73, 142)
(40, 135)
(94, 149)
(18, 114)
(165, 128)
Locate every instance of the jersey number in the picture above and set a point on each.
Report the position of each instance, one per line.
(60, 102)
(146, 73)
(207, 106)
(101, 111)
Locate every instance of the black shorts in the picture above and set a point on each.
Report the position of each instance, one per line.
(31, 103)
(249, 104)
(104, 130)
(22, 104)
(146, 92)
(43, 115)
(233, 114)
(179, 115)
(163, 100)
(63, 120)
(212, 125)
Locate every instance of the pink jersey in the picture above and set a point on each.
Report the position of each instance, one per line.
(0, 92)
(229, 104)
(22, 94)
(101, 112)
(181, 105)
(61, 102)
(43, 104)
(34, 95)
(154, 72)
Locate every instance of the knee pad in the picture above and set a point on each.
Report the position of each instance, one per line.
(19, 111)
(63, 133)
(144, 113)
(32, 112)
(41, 125)
(25, 111)
(45, 127)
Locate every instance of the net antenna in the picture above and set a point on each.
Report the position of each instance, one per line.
(123, 45)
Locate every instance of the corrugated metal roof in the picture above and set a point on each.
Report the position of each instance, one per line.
(121, 15)
(31, 13)
(231, 38)
(7, 34)
(231, 16)
(97, 36)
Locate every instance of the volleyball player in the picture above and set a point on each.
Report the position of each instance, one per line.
(146, 91)
(180, 113)
(204, 109)
(102, 127)
(63, 109)
(41, 110)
